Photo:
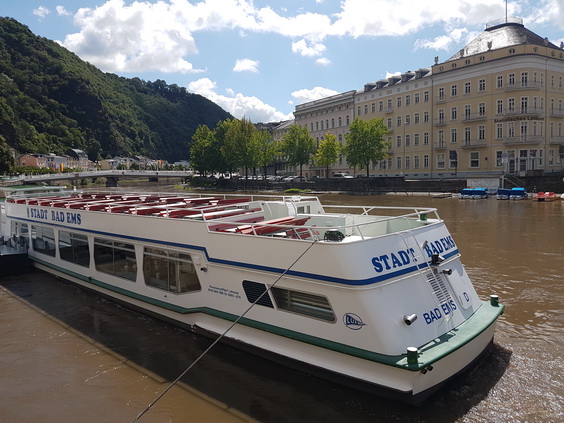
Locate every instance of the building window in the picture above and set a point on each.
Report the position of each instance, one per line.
(390, 123)
(499, 131)
(454, 90)
(380, 106)
(416, 98)
(474, 159)
(499, 109)
(416, 162)
(170, 270)
(416, 118)
(407, 119)
(441, 116)
(524, 79)
(398, 162)
(441, 138)
(511, 104)
(407, 140)
(467, 88)
(467, 135)
(347, 119)
(407, 100)
(482, 85)
(425, 138)
(398, 120)
(481, 132)
(453, 135)
(441, 94)
(482, 109)
(416, 139)
(74, 248)
(303, 303)
(115, 258)
(440, 161)
(373, 107)
(453, 113)
(358, 110)
(499, 81)
(511, 78)
(407, 162)
(398, 141)
(467, 112)
(366, 109)
(332, 122)
(426, 96)
(426, 161)
(340, 121)
(425, 117)
(398, 102)
(43, 240)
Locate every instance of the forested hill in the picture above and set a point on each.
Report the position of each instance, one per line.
(51, 100)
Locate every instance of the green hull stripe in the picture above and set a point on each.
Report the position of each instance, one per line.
(429, 353)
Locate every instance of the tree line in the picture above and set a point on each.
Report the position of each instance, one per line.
(235, 145)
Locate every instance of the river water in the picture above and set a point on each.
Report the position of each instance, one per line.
(68, 355)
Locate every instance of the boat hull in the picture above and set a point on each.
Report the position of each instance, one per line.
(398, 382)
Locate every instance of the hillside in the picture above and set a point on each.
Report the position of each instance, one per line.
(51, 100)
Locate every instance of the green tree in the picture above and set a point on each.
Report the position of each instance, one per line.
(201, 150)
(299, 145)
(6, 159)
(365, 142)
(328, 152)
(239, 148)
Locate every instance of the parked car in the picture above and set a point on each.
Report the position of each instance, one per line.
(341, 175)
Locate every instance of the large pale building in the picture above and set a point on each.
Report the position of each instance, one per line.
(495, 107)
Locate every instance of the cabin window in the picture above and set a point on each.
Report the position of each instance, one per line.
(74, 248)
(256, 292)
(115, 258)
(303, 303)
(43, 240)
(19, 235)
(170, 270)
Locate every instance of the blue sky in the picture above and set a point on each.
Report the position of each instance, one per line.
(259, 59)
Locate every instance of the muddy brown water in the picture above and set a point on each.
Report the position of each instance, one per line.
(68, 355)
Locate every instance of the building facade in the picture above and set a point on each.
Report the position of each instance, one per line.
(495, 107)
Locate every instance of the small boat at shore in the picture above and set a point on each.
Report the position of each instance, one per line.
(474, 193)
(518, 193)
(546, 196)
(376, 298)
(503, 193)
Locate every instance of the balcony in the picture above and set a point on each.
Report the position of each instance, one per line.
(523, 139)
(472, 117)
(522, 85)
(441, 145)
(557, 113)
(524, 111)
(440, 122)
(440, 99)
(556, 140)
(476, 143)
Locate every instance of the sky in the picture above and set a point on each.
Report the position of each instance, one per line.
(259, 59)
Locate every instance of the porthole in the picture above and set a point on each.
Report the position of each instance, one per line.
(454, 65)
(511, 50)
(467, 61)
(482, 58)
(535, 49)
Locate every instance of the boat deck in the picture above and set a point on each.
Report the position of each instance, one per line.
(243, 215)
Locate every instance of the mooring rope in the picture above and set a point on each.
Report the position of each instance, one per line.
(175, 381)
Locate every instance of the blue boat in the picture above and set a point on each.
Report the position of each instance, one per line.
(474, 193)
(518, 193)
(503, 193)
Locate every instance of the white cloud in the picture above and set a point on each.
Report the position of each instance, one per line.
(307, 48)
(41, 12)
(246, 65)
(323, 61)
(237, 104)
(61, 11)
(305, 95)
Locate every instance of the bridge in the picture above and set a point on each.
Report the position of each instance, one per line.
(112, 176)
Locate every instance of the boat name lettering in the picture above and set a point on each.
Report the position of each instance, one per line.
(440, 246)
(393, 260)
(224, 291)
(435, 314)
(55, 216)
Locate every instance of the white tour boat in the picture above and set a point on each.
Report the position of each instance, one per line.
(375, 297)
